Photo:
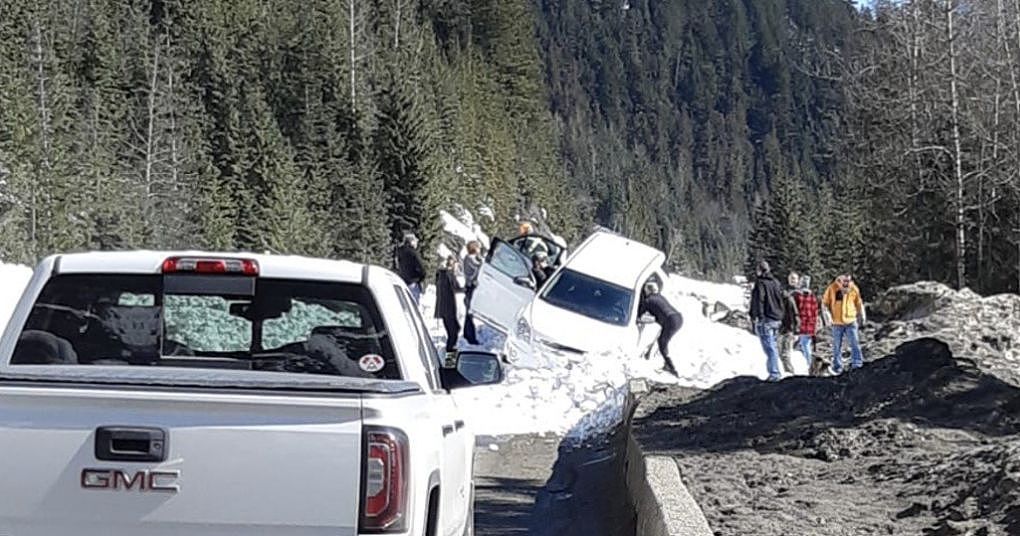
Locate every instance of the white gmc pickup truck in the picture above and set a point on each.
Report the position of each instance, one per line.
(150, 393)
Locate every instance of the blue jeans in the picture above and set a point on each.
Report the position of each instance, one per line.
(415, 289)
(848, 331)
(767, 331)
(805, 348)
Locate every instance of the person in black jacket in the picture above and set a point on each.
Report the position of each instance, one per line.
(410, 266)
(668, 318)
(768, 304)
(472, 267)
(540, 269)
(447, 288)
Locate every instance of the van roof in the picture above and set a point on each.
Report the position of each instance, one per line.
(150, 262)
(614, 258)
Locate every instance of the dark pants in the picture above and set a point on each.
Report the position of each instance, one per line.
(470, 335)
(452, 333)
(673, 325)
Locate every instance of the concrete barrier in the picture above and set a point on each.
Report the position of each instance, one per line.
(662, 502)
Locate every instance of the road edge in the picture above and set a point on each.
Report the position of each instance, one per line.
(663, 504)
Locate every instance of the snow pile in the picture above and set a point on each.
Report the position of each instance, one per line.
(14, 278)
(461, 228)
(706, 352)
(578, 397)
(733, 296)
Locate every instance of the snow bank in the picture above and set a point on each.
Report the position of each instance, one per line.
(463, 226)
(706, 352)
(733, 296)
(578, 397)
(13, 279)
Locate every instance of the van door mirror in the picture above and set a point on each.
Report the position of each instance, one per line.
(473, 369)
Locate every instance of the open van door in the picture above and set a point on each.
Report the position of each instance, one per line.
(505, 286)
(531, 244)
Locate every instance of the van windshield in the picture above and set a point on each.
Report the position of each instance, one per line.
(589, 296)
(200, 321)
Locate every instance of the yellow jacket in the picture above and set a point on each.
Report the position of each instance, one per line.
(844, 311)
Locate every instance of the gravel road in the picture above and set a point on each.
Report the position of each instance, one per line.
(532, 485)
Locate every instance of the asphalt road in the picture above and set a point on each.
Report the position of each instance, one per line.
(534, 485)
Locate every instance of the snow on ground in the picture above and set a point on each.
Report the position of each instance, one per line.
(14, 278)
(731, 295)
(706, 352)
(463, 226)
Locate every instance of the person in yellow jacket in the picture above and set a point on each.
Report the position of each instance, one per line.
(845, 309)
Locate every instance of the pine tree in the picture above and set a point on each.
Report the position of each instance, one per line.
(401, 155)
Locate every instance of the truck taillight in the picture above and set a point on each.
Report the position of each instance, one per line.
(384, 500)
(204, 265)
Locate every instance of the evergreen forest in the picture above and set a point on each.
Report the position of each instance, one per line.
(826, 138)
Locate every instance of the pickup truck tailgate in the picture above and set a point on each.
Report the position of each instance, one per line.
(235, 463)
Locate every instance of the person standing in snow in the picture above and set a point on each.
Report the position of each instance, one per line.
(846, 310)
(410, 266)
(809, 312)
(447, 288)
(791, 322)
(767, 308)
(472, 265)
(668, 318)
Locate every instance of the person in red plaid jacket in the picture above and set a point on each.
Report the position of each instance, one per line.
(809, 311)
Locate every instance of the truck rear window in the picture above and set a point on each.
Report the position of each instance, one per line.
(201, 321)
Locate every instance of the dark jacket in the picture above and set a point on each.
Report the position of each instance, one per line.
(541, 275)
(659, 307)
(409, 265)
(791, 317)
(446, 289)
(767, 300)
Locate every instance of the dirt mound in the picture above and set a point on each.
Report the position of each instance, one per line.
(986, 329)
(919, 442)
(921, 383)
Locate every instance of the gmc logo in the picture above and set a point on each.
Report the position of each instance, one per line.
(142, 481)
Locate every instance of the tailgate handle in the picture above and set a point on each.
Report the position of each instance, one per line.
(130, 444)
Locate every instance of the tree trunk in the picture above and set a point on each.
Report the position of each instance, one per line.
(150, 127)
(915, 56)
(396, 25)
(960, 209)
(1016, 125)
(42, 99)
(350, 5)
(175, 159)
